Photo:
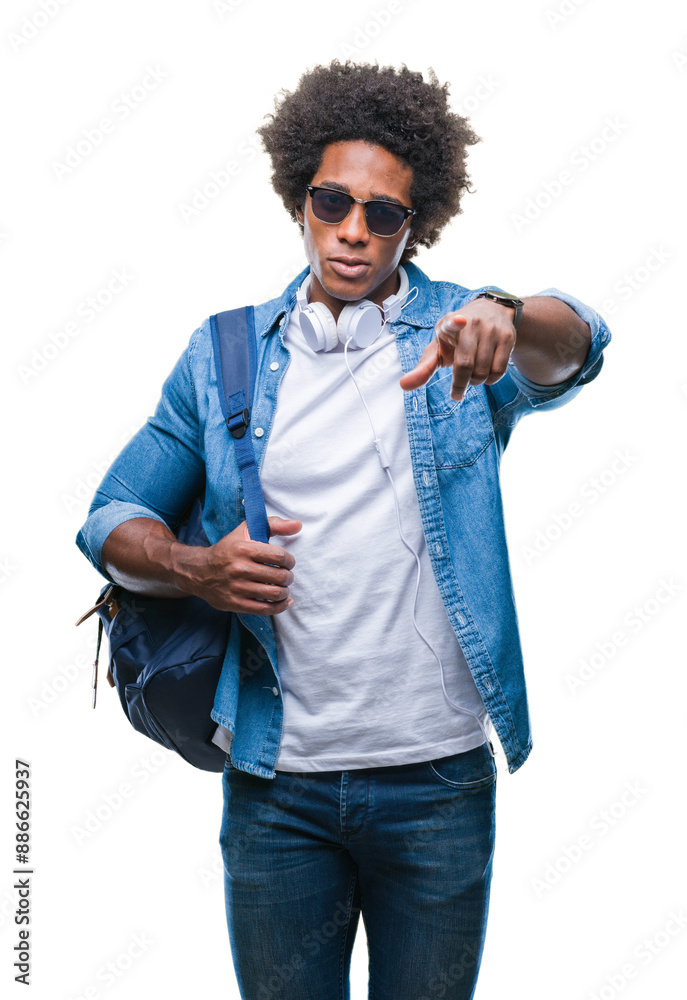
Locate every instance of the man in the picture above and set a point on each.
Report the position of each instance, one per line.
(356, 716)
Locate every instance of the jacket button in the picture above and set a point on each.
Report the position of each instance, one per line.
(415, 402)
(274, 366)
(259, 432)
(275, 691)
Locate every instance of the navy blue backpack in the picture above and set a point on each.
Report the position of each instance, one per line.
(166, 654)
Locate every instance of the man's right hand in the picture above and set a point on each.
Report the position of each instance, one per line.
(235, 574)
(239, 574)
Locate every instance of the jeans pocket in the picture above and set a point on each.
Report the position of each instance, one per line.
(468, 771)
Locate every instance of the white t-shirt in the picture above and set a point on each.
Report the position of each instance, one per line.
(361, 688)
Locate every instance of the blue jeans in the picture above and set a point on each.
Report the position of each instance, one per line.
(409, 846)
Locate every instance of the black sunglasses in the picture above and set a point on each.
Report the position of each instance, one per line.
(383, 218)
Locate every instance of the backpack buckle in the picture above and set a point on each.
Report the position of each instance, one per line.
(238, 429)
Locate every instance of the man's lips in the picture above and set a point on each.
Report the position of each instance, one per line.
(348, 267)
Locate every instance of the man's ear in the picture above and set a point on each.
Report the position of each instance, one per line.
(299, 214)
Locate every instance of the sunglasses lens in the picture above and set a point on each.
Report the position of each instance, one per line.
(328, 206)
(383, 218)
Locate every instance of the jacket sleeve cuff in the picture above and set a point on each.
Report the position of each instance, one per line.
(91, 536)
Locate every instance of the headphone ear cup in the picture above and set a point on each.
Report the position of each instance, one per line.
(361, 320)
(318, 327)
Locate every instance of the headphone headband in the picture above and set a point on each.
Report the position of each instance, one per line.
(391, 306)
(359, 323)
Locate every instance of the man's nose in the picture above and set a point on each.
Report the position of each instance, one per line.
(354, 229)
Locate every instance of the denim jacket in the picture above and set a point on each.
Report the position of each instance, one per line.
(455, 449)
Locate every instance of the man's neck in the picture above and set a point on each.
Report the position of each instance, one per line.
(319, 294)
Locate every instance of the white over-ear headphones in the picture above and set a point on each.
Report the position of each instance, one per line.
(362, 321)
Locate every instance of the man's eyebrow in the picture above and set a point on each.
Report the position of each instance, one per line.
(345, 188)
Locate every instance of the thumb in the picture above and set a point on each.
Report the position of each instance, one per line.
(283, 526)
(430, 359)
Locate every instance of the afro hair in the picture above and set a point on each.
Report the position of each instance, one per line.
(393, 108)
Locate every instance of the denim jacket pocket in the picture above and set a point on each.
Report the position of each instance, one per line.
(461, 430)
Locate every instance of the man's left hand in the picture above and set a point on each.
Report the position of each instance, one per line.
(476, 340)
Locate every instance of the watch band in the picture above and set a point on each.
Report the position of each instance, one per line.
(506, 299)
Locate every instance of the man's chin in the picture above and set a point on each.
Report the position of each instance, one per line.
(344, 287)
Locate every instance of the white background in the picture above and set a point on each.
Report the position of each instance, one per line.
(539, 89)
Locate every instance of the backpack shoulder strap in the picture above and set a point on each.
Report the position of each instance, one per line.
(235, 352)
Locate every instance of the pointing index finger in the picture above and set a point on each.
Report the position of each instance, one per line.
(448, 328)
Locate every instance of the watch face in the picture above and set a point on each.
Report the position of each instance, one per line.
(504, 295)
